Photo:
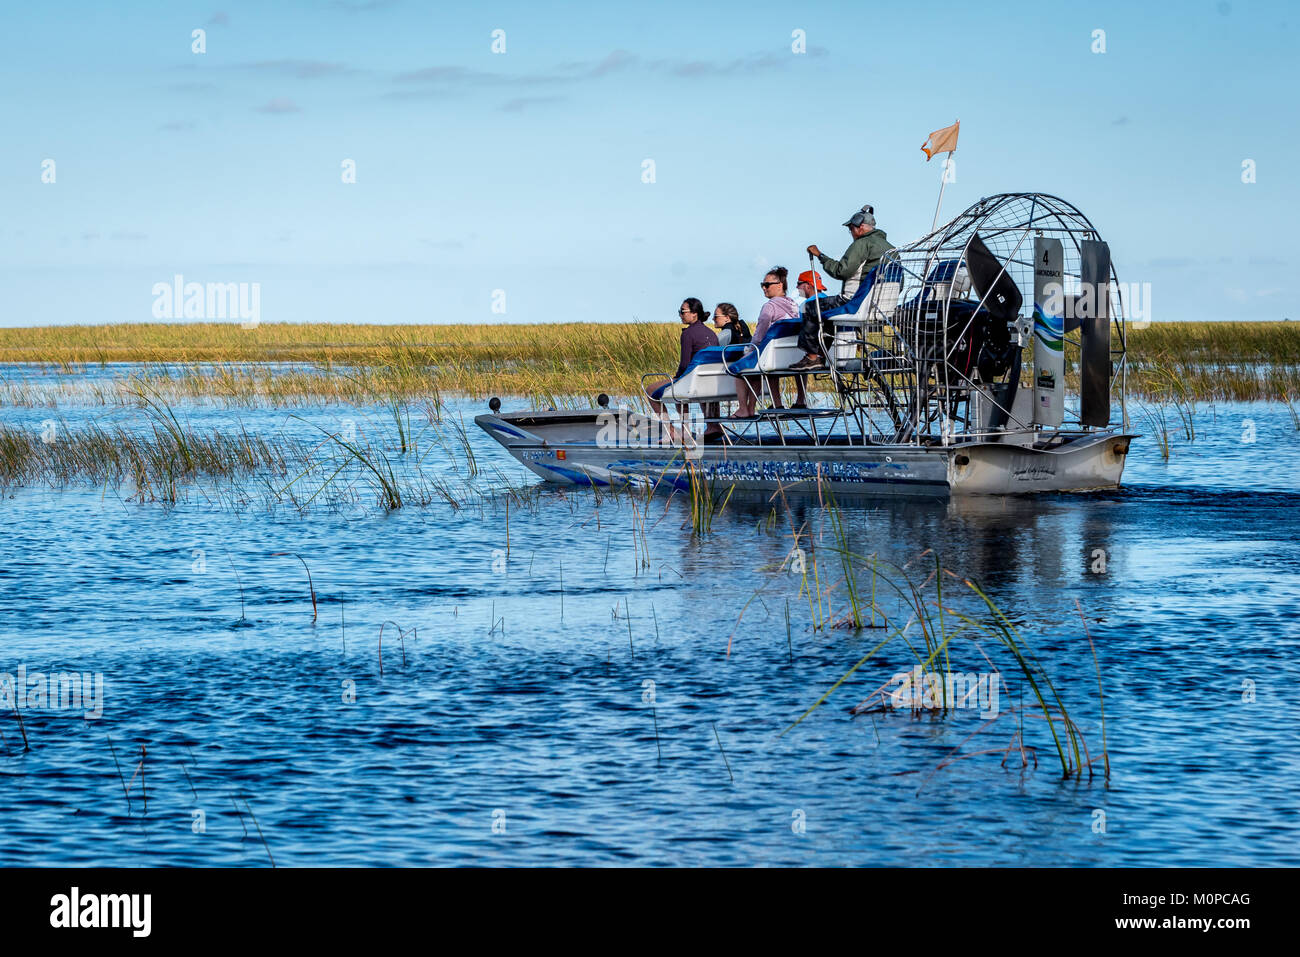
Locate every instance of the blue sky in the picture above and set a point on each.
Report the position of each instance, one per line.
(522, 171)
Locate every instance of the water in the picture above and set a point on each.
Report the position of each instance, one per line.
(513, 722)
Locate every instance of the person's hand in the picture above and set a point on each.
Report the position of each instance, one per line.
(814, 251)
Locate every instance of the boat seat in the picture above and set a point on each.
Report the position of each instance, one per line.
(848, 336)
(948, 278)
(709, 376)
(873, 295)
(777, 351)
(867, 312)
(779, 348)
(706, 379)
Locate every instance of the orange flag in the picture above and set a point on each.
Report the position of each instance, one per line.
(941, 141)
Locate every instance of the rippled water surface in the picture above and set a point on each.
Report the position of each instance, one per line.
(514, 721)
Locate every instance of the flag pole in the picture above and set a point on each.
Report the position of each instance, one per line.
(943, 182)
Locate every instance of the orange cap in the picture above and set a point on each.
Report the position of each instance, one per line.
(808, 276)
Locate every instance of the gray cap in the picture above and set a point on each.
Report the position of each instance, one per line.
(865, 216)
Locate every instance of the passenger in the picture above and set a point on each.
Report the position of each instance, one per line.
(729, 327)
(779, 306)
(810, 286)
(868, 245)
(806, 286)
(695, 336)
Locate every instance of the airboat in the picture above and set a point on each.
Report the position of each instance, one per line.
(925, 373)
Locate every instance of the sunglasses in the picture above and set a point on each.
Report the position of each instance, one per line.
(766, 284)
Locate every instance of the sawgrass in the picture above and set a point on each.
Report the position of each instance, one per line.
(156, 462)
(159, 457)
(940, 619)
(552, 364)
(346, 362)
(930, 613)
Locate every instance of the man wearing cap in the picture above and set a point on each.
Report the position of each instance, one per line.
(810, 284)
(810, 287)
(869, 244)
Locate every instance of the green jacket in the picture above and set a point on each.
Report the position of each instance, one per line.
(858, 260)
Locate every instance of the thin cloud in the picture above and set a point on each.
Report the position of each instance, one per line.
(618, 60)
(300, 69)
(768, 62)
(219, 19)
(280, 104)
(450, 75)
(521, 103)
(438, 79)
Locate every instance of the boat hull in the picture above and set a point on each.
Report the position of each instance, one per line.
(604, 448)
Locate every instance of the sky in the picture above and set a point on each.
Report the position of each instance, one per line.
(512, 186)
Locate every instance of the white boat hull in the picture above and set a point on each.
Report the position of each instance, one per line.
(582, 448)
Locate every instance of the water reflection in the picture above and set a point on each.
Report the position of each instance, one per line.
(1013, 547)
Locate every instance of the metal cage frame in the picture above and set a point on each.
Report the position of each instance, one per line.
(908, 362)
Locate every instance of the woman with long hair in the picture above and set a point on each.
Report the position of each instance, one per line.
(730, 328)
(696, 335)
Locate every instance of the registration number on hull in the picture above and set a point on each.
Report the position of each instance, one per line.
(808, 471)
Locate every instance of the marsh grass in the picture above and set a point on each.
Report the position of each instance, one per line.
(854, 618)
(120, 776)
(552, 365)
(311, 586)
(161, 458)
(1289, 401)
(708, 499)
(375, 462)
(1159, 426)
(929, 615)
(158, 464)
(932, 621)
